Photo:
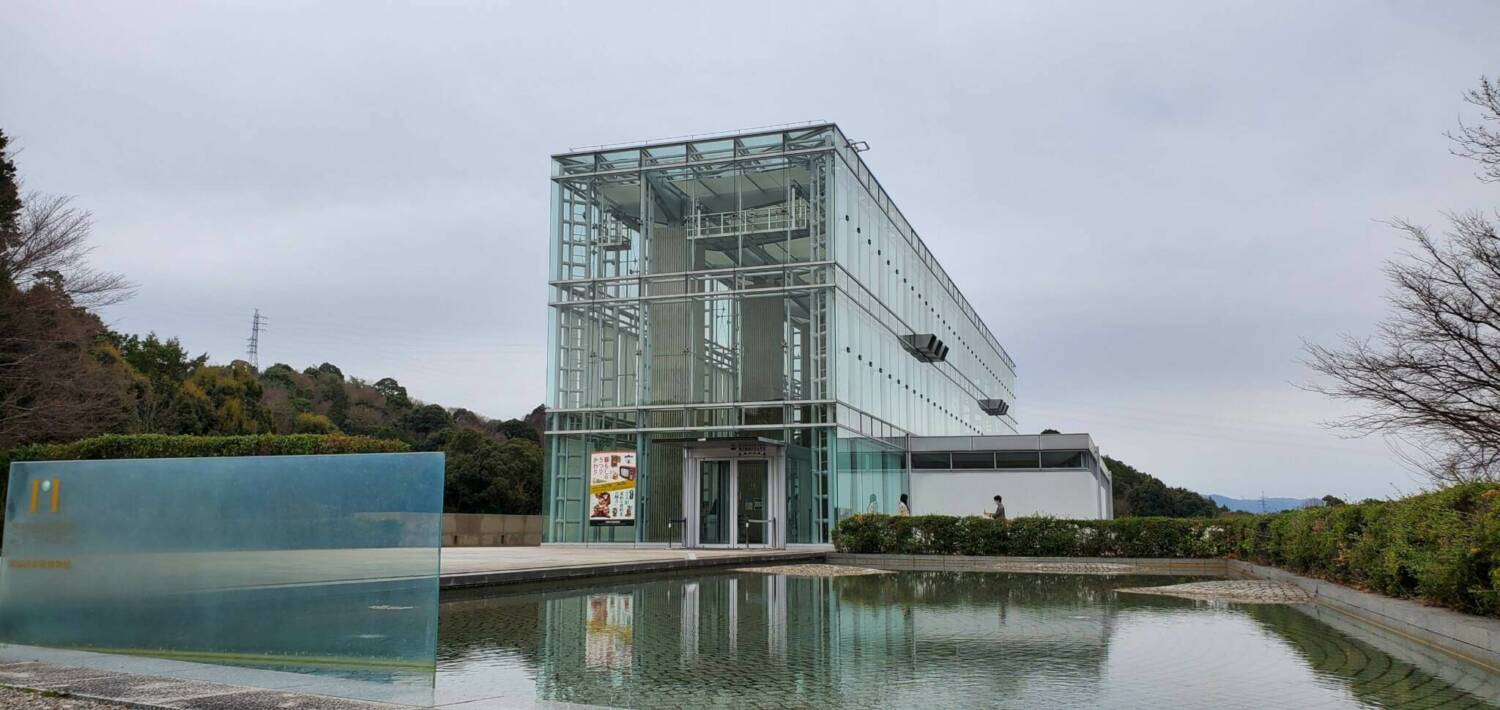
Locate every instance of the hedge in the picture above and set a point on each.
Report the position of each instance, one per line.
(1441, 548)
(162, 446)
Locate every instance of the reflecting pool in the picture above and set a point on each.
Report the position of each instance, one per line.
(924, 640)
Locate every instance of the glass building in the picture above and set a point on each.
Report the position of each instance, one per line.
(755, 327)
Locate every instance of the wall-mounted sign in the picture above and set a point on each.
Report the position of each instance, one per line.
(612, 477)
(748, 449)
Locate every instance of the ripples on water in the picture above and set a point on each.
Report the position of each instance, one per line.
(924, 640)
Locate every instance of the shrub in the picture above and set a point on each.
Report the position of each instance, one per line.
(160, 446)
(1031, 537)
(1442, 548)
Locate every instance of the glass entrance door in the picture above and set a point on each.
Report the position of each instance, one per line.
(736, 503)
(714, 501)
(752, 502)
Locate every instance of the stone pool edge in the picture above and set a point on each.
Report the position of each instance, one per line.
(1474, 639)
(497, 578)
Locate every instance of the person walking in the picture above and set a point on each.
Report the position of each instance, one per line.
(999, 513)
(903, 509)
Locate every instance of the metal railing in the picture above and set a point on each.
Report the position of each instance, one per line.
(771, 218)
(769, 528)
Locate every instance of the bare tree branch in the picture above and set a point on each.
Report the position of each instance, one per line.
(1480, 142)
(51, 245)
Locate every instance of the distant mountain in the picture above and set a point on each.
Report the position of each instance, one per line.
(1272, 505)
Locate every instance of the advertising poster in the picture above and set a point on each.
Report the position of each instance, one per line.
(607, 639)
(612, 477)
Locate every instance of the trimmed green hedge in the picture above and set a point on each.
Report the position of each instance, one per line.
(1442, 548)
(162, 446)
(1031, 537)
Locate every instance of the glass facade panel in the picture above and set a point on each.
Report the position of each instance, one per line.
(750, 285)
(871, 476)
(313, 564)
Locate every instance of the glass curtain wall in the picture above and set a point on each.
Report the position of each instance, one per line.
(750, 285)
(690, 297)
(889, 286)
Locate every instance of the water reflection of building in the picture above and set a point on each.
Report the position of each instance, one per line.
(800, 641)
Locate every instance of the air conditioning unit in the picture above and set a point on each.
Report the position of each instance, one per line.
(994, 407)
(925, 347)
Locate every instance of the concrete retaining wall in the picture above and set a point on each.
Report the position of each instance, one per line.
(1473, 638)
(959, 563)
(472, 530)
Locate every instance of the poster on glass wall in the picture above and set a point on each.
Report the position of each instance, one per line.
(608, 631)
(612, 488)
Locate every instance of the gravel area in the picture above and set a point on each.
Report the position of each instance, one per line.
(39, 700)
(813, 570)
(1243, 591)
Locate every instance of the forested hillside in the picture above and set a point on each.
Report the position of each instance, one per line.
(1138, 493)
(64, 375)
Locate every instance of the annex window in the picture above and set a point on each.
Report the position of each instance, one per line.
(973, 459)
(929, 460)
(1062, 459)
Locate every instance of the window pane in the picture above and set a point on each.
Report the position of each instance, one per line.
(711, 150)
(1015, 459)
(929, 460)
(973, 459)
(1062, 459)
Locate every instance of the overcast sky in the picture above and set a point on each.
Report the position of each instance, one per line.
(1150, 207)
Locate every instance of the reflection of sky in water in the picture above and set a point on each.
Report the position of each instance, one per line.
(915, 639)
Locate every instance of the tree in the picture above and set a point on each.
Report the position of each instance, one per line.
(223, 400)
(485, 476)
(517, 429)
(59, 378)
(427, 420)
(10, 198)
(1330, 501)
(309, 423)
(160, 367)
(395, 395)
(50, 244)
(1430, 376)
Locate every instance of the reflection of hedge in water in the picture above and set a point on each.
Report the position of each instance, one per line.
(1441, 547)
(1371, 675)
(957, 589)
